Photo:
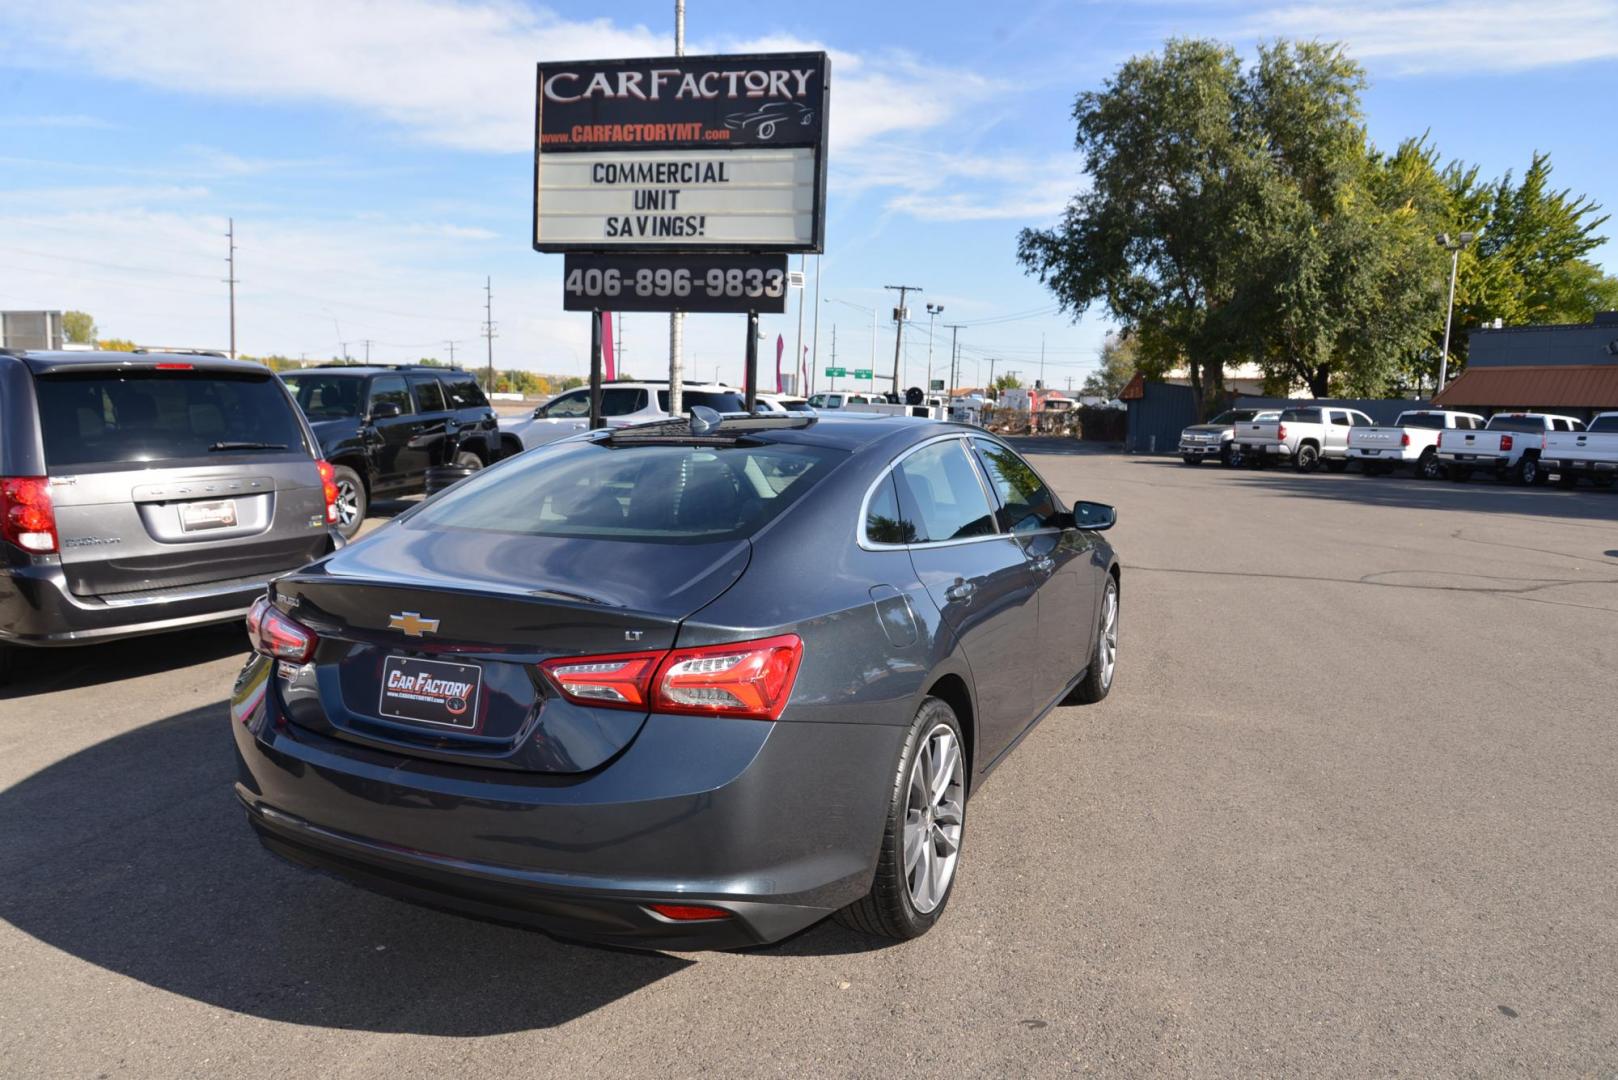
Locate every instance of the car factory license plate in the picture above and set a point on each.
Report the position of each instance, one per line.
(430, 692)
(198, 516)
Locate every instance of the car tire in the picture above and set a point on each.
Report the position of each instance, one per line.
(465, 459)
(1529, 474)
(353, 501)
(1307, 459)
(903, 902)
(1428, 467)
(1190, 459)
(1097, 681)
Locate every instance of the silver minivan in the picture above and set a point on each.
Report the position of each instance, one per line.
(148, 492)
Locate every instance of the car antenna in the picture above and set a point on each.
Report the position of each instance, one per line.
(704, 420)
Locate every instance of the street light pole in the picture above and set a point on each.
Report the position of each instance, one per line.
(933, 312)
(1454, 248)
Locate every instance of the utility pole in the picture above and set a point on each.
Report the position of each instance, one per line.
(488, 326)
(933, 312)
(451, 345)
(899, 327)
(230, 260)
(367, 350)
(989, 390)
(1042, 360)
(797, 352)
(954, 358)
(677, 318)
(815, 348)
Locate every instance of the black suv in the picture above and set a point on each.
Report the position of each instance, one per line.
(382, 428)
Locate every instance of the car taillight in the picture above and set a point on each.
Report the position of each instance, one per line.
(1281, 432)
(688, 912)
(172, 366)
(1404, 438)
(616, 682)
(1440, 440)
(749, 679)
(27, 517)
(328, 486)
(278, 635)
(1505, 442)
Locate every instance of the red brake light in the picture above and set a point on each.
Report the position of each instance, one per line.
(688, 912)
(1441, 439)
(27, 517)
(750, 679)
(328, 484)
(614, 682)
(1281, 432)
(1505, 442)
(1404, 438)
(277, 635)
(171, 366)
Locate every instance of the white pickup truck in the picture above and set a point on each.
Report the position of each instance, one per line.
(1410, 440)
(1592, 453)
(1509, 446)
(1306, 436)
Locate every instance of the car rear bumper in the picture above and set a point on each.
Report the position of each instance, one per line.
(1395, 455)
(1580, 465)
(777, 824)
(1272, 449)
(38, 608)
(1475, 461)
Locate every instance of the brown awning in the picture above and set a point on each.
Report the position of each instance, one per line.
(1135, 390)
(1565, 386)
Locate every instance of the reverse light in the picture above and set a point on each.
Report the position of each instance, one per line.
(688, 912)
(749, 679)
(27, 517)
(328, 486)
(1505, 442)
(277, 635)
(616, 682)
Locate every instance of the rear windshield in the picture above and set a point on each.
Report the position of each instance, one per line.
(718, 400)
(152, 416)
(1301, 416)
(326, 397)
(1604, 424)
(1516, 423)
(1422, 419)
(658, 494)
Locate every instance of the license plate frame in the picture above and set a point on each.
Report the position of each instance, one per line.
(205, 516)
(440, 694)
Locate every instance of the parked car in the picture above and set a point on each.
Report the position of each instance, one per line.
(1509, 445)
(1411, 440)
(622, 404)
(150, 492)
(594, 689)
(382, 428)
(1307, 436)
(1216, 438)
(1592, 454)
(782, 403)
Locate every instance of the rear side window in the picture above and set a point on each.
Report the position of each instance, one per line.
(939, 492)
(429, 395)
(326, 397)
(884, 524)
(1301, 416)
(718, 401)
(390, 390)
(1026, 504)
(141, 418)
(464, 392)
(1605, 425)
(1421, 420)
(620, 401)
(1515, 423)
(662, 494)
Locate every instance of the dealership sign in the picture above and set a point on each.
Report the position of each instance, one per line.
(681, 154)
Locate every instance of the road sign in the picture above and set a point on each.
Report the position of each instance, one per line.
(937, 384)
(836, 373)
(862, 373)
(708, 283)
(682, 154)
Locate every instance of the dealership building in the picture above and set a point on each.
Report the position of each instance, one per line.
(1570, 369)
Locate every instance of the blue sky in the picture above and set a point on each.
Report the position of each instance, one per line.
(377, 157)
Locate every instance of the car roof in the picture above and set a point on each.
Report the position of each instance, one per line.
(358, 370)
(45, 361)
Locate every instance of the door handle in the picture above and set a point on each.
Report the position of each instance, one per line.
(961, 590)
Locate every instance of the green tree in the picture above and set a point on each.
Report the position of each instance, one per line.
(116, 345)
(1002, 383)
(1119, 359)
(567, 382)
(78, 327)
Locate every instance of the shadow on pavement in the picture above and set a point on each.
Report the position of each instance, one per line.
(133, 855)
(44, 671)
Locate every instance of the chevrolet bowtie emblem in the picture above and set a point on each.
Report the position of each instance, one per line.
(412, 624)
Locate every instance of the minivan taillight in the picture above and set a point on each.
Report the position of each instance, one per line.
(1281, 432)
(277, 635)
(27, 517)
(1505, 442)
(328, 486)
(746, 679)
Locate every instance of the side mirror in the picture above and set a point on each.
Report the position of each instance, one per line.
(386, 410)
(1094, 516)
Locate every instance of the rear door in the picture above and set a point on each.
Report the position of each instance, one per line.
(402, 455)
(176, 478)
(981, 581)
(436, 420)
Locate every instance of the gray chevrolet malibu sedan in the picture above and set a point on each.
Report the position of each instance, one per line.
(693, 684)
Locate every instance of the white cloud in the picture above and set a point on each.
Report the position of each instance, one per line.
(1455, 36)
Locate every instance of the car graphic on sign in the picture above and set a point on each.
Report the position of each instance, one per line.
(763, 121)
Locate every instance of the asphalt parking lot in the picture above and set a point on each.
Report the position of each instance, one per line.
(1349, 810)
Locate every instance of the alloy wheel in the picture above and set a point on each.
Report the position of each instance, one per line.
(1109, 635)
(933, 818)
(348, 503)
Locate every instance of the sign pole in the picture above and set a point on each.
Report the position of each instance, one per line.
(753, 360)
(595, 370)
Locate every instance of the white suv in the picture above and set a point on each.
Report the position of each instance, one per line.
(622, 404)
